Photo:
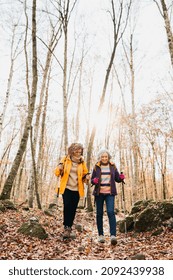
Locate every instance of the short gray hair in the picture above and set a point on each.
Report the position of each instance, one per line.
(102, 151)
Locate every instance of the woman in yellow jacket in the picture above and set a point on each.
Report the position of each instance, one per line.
(73, 173)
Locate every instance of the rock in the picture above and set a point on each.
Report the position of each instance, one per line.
(144, 203)
(138, 257)
(147, 215)
(116, 211)
(157, 232)
(25, 208)
(81, 248)
(140, 205)
(166, 210)
(48, 212)
(136, 209)
(53, 206)
(73, 235)
(168, 223)
(129, 224)
(33, 229)
(33, 220)
(147, 220)
(79, 227)
(8, 204)
(2, 207)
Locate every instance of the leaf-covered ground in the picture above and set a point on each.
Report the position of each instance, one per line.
(85, 246)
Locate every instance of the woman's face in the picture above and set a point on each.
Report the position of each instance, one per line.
(77, 153)
(104, 158)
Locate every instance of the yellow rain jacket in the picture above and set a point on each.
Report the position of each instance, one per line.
(81, 171)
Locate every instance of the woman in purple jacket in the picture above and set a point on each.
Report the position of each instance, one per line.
(104, 176)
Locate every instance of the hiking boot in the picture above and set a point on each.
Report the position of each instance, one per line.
(113, 240)
(101, 239)
(66, 233)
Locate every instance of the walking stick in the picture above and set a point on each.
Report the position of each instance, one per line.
(124, 207)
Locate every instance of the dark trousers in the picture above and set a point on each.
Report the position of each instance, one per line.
(109, 199)
(70, 201)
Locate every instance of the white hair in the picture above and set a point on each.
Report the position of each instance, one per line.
(102, 151)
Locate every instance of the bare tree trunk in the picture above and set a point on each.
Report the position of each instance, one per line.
(154, 178)
(22, 147)
(134, 127)
(79, 101)
(168, 29)
(164, 169)
(164, 13)
(19, 181)
(35, 173)
(65, 12)
(89, 112)
(41, 151)
(51, 47)
(10, 77)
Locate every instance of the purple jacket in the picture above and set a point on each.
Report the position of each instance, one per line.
(115, 177)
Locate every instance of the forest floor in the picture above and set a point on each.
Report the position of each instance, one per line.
(15, 246)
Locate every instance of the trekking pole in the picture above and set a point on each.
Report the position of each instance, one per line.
(94, 220)
(124, 207)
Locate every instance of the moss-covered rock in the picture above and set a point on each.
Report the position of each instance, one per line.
(53, 206)
(2, 207)
(140, 206)
(144, 203)
(136, 209)
(166, 210)
(129, 224)
(147, 215)
(147, 220)
(8, 204)
(158, 231)
(34, 229)
(49, 212)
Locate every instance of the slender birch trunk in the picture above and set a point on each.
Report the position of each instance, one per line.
(22, 147)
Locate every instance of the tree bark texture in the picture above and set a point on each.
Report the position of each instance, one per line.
(22, 147)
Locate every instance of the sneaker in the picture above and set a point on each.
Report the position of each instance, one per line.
(101, 239)
(66, 233)
(113, 240)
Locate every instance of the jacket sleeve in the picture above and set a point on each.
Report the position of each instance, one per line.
(93, 176)
(117, 176)
(85, 171)
(57, 171)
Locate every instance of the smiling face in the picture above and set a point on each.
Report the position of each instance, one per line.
(77, 153)
(104, 158)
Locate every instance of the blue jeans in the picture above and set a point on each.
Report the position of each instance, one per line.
(109, 199)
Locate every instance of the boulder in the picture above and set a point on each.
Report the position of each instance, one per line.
(140, 205)
(49, 212)
(166, 210)
(2, 207)
(158, 231)
(53, 206)
(147, 220)
(148, 215)
(129, 224)
(8, 204)
(33, 229)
